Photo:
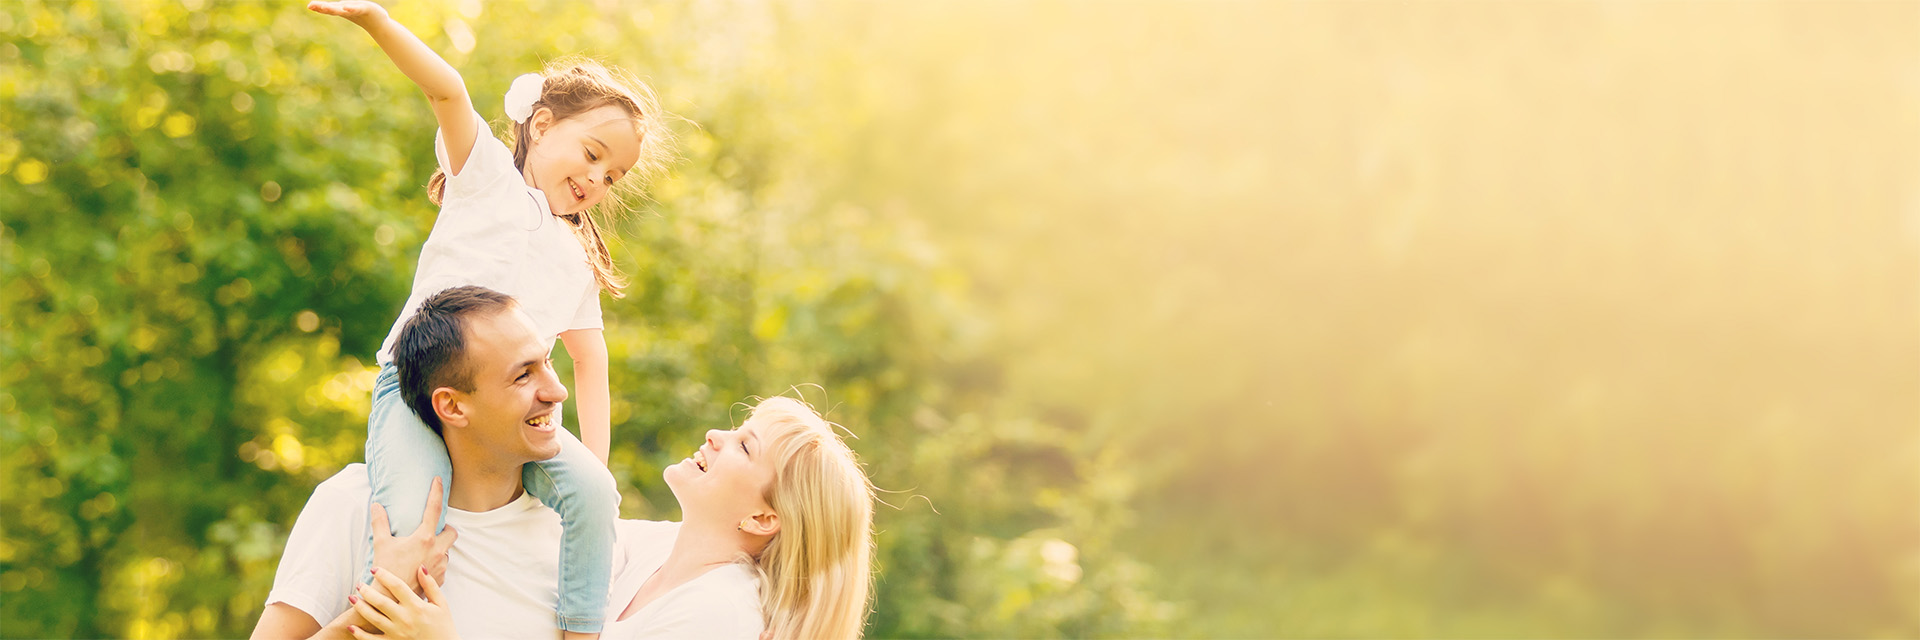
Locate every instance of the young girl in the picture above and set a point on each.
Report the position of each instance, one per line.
(518, 220)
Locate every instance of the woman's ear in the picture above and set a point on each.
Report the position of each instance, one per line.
(448, 402)
(764, 523)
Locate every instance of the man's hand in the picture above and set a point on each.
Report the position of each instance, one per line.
(419, 550)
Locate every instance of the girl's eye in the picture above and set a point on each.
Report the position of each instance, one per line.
(743, 447)
(592, 158)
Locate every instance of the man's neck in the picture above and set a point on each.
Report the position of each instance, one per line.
(481, 484)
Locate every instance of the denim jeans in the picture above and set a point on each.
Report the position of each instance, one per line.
(404, 456)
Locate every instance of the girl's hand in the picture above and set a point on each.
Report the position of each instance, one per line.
(400, 615)
(360, 12)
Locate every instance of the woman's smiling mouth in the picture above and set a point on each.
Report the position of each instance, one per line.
(578, 194)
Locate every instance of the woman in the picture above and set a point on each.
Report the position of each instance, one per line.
(775, 540)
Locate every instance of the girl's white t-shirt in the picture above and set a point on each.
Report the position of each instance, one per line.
(722, 603)
(499, 233)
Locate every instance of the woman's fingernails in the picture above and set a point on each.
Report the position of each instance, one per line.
(353, 599)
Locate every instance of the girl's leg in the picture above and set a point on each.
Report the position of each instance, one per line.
(581, 489)
(404, 455)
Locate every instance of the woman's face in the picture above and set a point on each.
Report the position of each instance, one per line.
(726, 478)
(576, 161)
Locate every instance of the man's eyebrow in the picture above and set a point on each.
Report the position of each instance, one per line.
(523, 365)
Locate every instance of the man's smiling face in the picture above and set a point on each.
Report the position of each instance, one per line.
(514, 408)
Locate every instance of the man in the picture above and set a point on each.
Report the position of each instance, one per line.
(489, 380)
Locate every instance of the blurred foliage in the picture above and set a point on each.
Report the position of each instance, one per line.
(1219, 320)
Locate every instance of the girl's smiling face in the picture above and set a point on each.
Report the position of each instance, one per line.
(576, 161)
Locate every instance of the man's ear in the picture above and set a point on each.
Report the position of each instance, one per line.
(764, 523)
(451, 404)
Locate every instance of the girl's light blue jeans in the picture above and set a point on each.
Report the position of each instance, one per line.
(404, 455)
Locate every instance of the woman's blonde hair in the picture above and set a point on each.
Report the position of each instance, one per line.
(816, 572)
(575, 85)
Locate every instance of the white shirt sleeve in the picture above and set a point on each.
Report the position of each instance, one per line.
(588, 316)
(488, 166)
(326, 549)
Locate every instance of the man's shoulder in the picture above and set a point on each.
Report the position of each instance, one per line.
(350, 481)
(339, 501)
(326, 548)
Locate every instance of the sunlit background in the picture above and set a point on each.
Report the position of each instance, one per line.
(1265, 319)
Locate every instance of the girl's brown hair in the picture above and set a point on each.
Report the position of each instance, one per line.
(574, 86)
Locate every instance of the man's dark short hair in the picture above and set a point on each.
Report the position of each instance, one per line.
(431, 351)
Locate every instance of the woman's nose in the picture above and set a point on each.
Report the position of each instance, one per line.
(713, 438)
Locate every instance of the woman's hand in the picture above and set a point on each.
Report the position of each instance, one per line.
(360, 12)
(400, 615)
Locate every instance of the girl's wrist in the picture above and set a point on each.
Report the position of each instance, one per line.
(373, 22)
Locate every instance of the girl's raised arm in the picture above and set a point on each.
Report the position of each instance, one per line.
(443, 86)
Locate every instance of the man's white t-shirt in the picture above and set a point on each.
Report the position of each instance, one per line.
(499, 233)
(721, 604)
(502, 573)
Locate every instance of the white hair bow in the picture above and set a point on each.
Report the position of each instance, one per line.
(521, 96)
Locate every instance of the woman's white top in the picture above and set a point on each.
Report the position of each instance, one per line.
(721, 603)
(499, 233)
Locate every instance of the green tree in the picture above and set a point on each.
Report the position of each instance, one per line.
(179, 224)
